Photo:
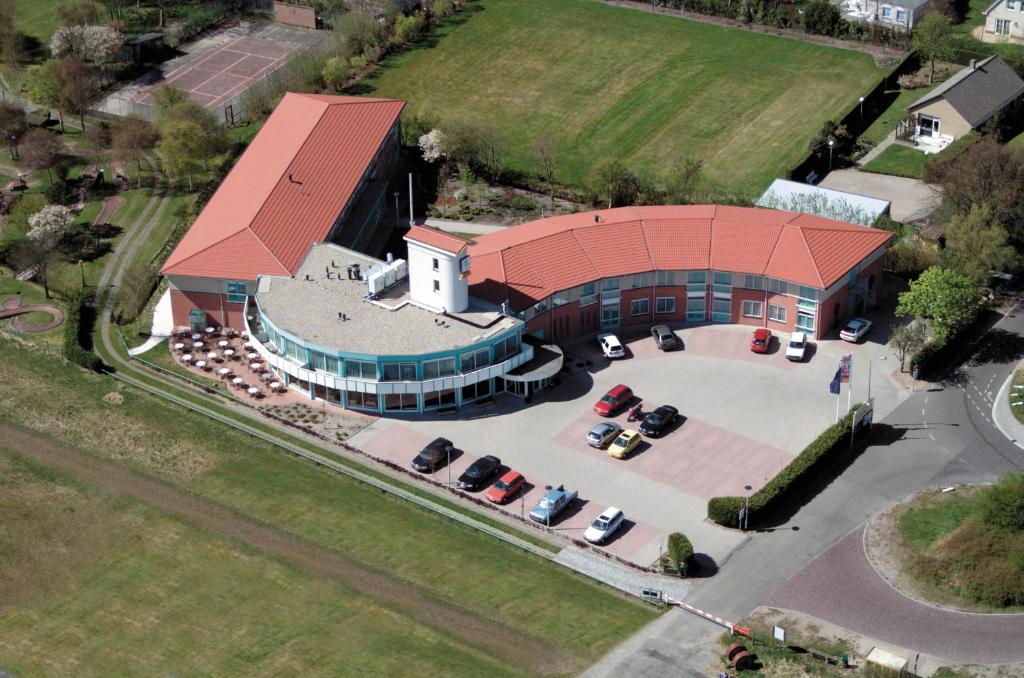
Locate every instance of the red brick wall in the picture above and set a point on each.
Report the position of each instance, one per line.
(789, 303)
(679, 293)
(626, 301)
(218, 311)
(739, 295)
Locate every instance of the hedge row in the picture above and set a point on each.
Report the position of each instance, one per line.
(78, 321)
(833, 442)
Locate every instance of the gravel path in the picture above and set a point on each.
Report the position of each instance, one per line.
(619, 576)
(841, 587)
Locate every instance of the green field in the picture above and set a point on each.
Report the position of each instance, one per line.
(609, 82)
(451, 564)
(893, 115)
(36, 18)
(900, 161)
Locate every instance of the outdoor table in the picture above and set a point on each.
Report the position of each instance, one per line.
(223, 371)
(229, 352)
(253, 390)
(236, 381)
(266, 376)
(212, 355)
(223, 343)
(255, 367)
(197, 344)
(247, 344)
(187, 358)
(196, 337)
(210, 330)
(252, 356)
(244, 334)
(179, 346)
(200, 364)
(275, 385)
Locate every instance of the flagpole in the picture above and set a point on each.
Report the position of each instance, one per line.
(849, 386)
(837, 403)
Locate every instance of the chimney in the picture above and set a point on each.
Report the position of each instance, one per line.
(597, 218)
(356, 274)
(974, 64)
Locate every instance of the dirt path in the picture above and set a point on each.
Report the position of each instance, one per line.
(480, 633)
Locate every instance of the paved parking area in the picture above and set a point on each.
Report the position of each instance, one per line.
(745, 417)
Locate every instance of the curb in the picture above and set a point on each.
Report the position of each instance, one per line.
(999, 399)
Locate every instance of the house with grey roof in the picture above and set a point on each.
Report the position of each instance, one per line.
(901, 15)
(965, 102)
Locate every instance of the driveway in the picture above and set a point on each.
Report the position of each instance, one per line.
(745, 417)
(911, 198)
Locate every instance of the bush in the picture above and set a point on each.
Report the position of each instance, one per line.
(832, 443)
(77, 342)
(197, 21)
(60, 192)
(1002, 504)
(680, 550)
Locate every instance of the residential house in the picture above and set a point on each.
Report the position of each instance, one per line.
(901, 15)
(1004, 20)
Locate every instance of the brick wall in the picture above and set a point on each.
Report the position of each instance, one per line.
(219, 312)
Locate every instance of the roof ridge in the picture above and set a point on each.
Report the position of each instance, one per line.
(814, 262)
(225, 239)
(778, 238)
(647, 245)
(274, 256)
(584, 249)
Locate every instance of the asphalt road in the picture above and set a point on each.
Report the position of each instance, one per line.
(940, 435)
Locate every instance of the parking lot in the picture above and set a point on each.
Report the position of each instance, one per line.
(744, 416)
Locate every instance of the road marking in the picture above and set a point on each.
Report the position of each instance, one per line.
(932, 436)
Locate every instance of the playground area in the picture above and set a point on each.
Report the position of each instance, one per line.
(32, 318)
(217, 68)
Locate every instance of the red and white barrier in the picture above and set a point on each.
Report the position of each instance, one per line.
(733, 628)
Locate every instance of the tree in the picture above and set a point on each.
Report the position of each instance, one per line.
(12, 125)
(79, 13)
(842, 141)
(545, 153)
(355, 33)
(44, 85)
(610, 182)
(96, 139)
(212, 138)
(100, 45)
(180, 147)
(41, 150)
(432, 145)
(906, 340)
(408, 28)
(131, 137)
(336, 72)
(11, 41)
(682, 180)
(165, 98)
(822, 17)
(680, 551)
(948, 298)
(932, 39)
(976, 243)
(78, 89)
(39, 249)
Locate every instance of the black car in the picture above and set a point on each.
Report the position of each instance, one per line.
(433, 455)
(478, 472)
(655, 422)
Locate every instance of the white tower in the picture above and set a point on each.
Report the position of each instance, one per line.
(438, 269)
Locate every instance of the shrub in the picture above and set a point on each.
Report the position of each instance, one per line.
(77, 342)
(60, 192)
(1002, 504)
(680, 550)
(832, 443)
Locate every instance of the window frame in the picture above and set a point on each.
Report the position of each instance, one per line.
(235, 296)
(753, 305)
(771, 315)
(645, 302)
(667, 308)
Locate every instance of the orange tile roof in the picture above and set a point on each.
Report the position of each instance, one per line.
(435, 237)
(526, 263)
(287, 189)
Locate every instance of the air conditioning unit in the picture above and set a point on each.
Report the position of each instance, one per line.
(376, 282)
(401, 269)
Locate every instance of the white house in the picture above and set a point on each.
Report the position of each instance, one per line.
(1004, 20)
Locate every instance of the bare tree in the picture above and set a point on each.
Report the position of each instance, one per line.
(79, 87)
(132, 136)
(906, 340)
(96, 139)
(545, 152)
(12, 125)
(11, 46)
(42, 150)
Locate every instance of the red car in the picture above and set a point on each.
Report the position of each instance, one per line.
(613, 400)
(506, 487)
(762, 340)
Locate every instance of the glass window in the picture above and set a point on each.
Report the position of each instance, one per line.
(901, 15)
(538, 308)
(560, 299)
(436, 265)
(721, 311)
(478, 390)
(400, 401)
(753, 282)
(477, 360)
(432, 399)
(236, 292)
(665, 305)
(588, 294)
(360, 369)
(752, 309)
(696, 277)
(887, 11)
(362, 401)
(507, 348)
(721, 278)
(443, 367)
(778, 286)
(610, 285)
(666, 278)
(808, 293)
(640, 307)
(398, 371)
(325, 363)
(805, 321)
(777, 313)
(695, 308)
(641, 280)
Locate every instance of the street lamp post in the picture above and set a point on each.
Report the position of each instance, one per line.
(862, 111)
(831, 143)
(397, 211)
(449, 465)
(870, 361)
(746, 507)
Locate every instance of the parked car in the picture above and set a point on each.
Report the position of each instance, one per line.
(551, 504)
(433, 455)
(664, 337)
(762, 340)
(627, 441)
(797, 346)
(855, 330)
(479, 472)
(655, 423)
(604, 525)
(603, 433)
(506, 487)
(612, 401)
(611, 346)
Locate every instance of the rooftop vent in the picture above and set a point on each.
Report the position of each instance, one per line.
(597, 218)
(342, 316)
(308, 278)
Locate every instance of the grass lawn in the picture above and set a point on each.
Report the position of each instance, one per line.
(91, 582)
(36, 18)
(420, 549)
(900, 161)
(1015, 395)
(892, 116)
(608, 82)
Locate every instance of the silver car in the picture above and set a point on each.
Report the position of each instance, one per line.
(602, 434)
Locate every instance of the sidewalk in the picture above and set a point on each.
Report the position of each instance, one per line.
(1002, 414)
(620, 577)
(888, 141)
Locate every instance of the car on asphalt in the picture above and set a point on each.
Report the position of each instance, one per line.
(603, 433)
(604, 525)
(479, 472)
(664, 338)
(626, 442)
(506, 487)
(611, 346)
(761, 341)
(855, 330)
(552, 503)
(655, 423)
(437, 452)
(797, 347)
(612, 401)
